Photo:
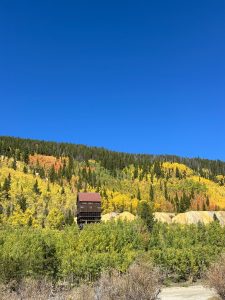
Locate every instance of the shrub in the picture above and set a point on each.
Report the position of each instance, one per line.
(142, 281)
(26, 289)
(215, 276)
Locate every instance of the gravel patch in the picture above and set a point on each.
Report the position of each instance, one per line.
(197, 292)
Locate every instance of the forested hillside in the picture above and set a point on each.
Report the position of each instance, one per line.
(39, 181)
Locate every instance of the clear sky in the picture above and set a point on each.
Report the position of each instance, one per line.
(134, 76)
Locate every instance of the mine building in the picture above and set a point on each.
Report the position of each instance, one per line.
(88, 208)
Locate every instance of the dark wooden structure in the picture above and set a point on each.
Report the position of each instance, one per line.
(88, 208)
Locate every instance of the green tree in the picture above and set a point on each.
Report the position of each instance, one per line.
(22, 202)
(151, 193)
(36, 188)
(145, 212)
(177, 173)
(138, 194)
(6, 187)
(14, 165)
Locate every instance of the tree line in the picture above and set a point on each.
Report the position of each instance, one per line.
(20, 149)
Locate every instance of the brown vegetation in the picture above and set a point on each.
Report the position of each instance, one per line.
(142, 281)
(46, 161)
(215, 276)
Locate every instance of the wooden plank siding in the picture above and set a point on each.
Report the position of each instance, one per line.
(88, 208)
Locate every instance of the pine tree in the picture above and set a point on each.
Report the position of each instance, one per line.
(26, 156)
(14, 165)
(30, 222)
(166, 192)
(138, 194)
(157, 169)
(41, 172)
(79, 184)
(48, 188)
(63, 191)
(151, 193)
(215, 218)
(8, 211)
(177, 203)
(1, 209)
(7, 186)
(22, 202)
(52, 174)
(177, 174)
(25, 170)
(69, 219)
(152, 177)
(135, 172)
(204, 206)
(36, 188)
(145, 212)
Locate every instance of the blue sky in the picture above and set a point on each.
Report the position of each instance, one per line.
(134, 76)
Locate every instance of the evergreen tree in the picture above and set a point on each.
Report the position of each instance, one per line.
(48, 188)
(177, 203)
(145, 212)
(41, 172)
(22, 202)
(166, 192)
(69, 218)
(8, 211)
(152, 177)
(52, 174)
(204, 206)
(26, 156)
(151, 193)
(157, 169)
(30, 222)
(36, 188)
(25, 170)
(79, 184)
(215, 218)
(63, 191)
(7, 186)
(14, 165)
(177, 173)
(138, 194)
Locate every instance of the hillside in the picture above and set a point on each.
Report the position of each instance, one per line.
(39, 181)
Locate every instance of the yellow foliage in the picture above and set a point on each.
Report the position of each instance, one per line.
(55, 219)
(181, 167)
(215, 192)
(22, 184)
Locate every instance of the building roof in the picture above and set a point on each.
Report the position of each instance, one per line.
(92, 197)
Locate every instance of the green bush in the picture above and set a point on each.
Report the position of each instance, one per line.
(68, 254)
(184, 252)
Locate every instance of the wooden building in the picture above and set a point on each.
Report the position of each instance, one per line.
(88, 208)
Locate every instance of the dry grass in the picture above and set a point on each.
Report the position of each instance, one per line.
(41, 290)
(29, 289)
(142, 281)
